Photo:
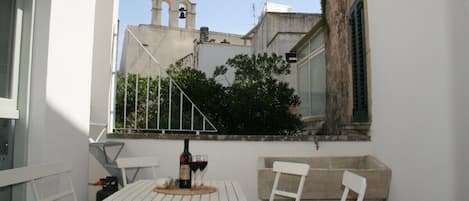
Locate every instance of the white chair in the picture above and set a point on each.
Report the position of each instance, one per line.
(355, 183)
(298, 169)
(33, 173)
(136, 163)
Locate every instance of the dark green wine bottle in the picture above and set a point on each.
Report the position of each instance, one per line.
(185, 174)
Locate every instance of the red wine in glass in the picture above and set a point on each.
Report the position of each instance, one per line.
(195, 166)
(202, 165)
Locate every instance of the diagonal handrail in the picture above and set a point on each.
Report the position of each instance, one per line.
(172, 83)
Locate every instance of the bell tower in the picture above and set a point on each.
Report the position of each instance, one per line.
(174, 12)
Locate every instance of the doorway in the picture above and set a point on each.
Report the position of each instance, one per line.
(7, 128)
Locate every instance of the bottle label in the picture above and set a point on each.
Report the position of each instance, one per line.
(184, 172)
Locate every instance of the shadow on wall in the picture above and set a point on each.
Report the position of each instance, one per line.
(56, 137)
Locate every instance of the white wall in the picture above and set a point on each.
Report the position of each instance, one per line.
(235, 160)
(411, 72)
(166, 44)
(420, 109)
(209, 56)
(60, 86)
(101, 83)
(459, 27)
(102, 65)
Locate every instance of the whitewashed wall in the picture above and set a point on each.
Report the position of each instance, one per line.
(420, 109)
(102, 65)
(209, 56)
(101, 82)
(459, 27)
(235, 160)
(420, 96)
(59, 104)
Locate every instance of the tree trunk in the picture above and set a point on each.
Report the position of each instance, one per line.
(338, 66)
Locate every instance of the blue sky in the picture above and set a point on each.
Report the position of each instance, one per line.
(231, 16)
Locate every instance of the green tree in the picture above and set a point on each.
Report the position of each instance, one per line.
(258, 102)
(209, 96)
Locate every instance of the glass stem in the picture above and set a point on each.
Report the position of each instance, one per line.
(202, 174)
(194, 176)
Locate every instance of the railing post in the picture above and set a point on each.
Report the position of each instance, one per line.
(180, 110)
(125, 98)
(192, 117)
(203, 124)
(159, 100)
(136, 100)
(148, 96)
(169, 105)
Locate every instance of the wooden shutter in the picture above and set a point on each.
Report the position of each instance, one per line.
(359, 65)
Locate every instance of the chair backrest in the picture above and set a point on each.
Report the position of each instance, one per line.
(136, 162)
(298, 169)
(355, 183)
(31, 174)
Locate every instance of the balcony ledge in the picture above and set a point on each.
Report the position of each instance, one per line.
(215, 137)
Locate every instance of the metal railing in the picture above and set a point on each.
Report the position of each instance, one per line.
(149, 102)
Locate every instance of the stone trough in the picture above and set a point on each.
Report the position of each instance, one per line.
(324, 180)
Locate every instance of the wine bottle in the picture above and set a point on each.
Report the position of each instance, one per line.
(184, 166)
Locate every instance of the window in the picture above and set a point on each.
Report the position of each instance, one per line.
(359, 62)
(312, 76)
(9, 58)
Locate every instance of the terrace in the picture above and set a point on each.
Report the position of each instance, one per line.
(58, 103)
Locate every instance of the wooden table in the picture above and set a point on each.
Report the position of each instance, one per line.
(142, 190)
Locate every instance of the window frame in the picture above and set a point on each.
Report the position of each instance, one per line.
(9, 106)
(312, 53)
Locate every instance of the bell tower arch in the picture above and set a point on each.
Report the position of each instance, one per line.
(174, 12)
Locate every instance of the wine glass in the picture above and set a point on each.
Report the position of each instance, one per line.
(194, 165)
(203, 162)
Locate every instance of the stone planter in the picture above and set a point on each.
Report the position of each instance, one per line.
(324, 180)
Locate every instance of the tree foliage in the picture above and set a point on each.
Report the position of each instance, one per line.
(258, 101)
(255, 103)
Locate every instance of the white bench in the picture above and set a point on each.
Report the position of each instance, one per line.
(31, 174)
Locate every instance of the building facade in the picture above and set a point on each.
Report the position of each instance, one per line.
(278, 32)
(169, 43)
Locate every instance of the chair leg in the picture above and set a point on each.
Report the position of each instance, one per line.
(124, 177)
(345, 194)
(33, 185)
(274, 188)
(300, 188)
(135, 175)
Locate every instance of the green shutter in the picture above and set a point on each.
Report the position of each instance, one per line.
(359, 73)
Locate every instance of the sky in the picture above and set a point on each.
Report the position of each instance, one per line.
(231, 16)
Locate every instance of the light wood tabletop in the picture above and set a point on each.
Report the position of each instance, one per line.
(142, 190)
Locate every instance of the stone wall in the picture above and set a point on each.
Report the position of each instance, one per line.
(278, 33)
(166, 44)
(286, 24)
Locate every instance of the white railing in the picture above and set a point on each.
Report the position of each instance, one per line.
(166, 90)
